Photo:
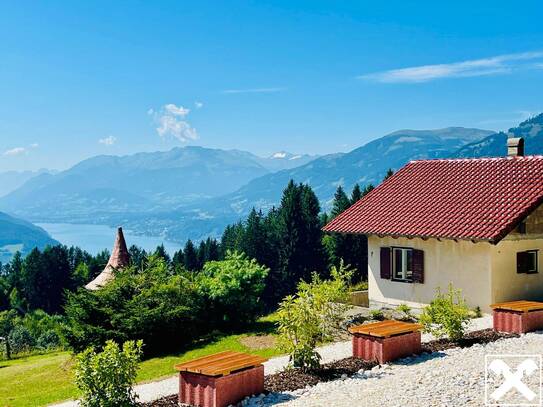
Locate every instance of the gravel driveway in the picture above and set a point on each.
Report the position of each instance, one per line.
(455, 377)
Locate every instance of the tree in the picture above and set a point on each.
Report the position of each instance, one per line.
(254, 236)
(356, 194)
(190, 256)
(300, 247)
(341, 202)
(137, 256)
(233, 287)
(390, 173)
(160, 251)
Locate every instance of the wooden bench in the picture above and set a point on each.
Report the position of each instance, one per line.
(517, 316)
(385, 341)
(221, 379)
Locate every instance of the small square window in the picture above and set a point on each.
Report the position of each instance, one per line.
(527, 262)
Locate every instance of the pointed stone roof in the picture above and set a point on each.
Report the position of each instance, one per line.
(119, 259)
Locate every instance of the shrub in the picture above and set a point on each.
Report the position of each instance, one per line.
(406, 312)
(232, 288)
(48, 340)
(152, 304)
(312, 316)
(105, 378)
(21, 340)
(377, 315)
(447, 314)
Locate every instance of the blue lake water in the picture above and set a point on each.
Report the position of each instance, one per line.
(95, 238)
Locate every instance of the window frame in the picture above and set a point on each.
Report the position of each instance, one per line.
(393, 264)
(535, 253)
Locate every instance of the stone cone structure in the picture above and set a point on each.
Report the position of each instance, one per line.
(119, 259)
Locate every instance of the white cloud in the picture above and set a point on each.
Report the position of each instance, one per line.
(171, 121)
(254, 90)
(198, 105)
(501, 64)
(15, 151)
(108, 141)
(34, 145)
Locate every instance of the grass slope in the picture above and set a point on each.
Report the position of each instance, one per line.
(44, 379)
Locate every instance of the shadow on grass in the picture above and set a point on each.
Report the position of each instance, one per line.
(260, 327)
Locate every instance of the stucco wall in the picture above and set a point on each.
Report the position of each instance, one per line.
(507, 285)
(465, 264)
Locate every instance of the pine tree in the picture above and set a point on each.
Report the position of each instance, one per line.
(390, 173)
(162, 253)
(356, 194)
(254, 236)
(367, 189)
(138, 256)
(190, 259)
(341, 202)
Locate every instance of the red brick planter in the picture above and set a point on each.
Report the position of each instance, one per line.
(385, 350)
(517, 321)
(207, 391)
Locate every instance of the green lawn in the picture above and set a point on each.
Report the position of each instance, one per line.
(43, 379)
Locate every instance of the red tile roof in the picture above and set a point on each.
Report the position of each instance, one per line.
(475, 199)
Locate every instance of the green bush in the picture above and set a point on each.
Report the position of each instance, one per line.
(447, 314)
(312, 316)
(21, 340)
(105, 378)
(232, 288)
(377, 315)
(152, 304)
(48, 340)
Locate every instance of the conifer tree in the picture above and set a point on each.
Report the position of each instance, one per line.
(190, 256)
(341, 202)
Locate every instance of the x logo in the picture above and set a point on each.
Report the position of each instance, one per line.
(513, 380)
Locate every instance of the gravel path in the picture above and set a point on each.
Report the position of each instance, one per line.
(455, 377)
(339, 350)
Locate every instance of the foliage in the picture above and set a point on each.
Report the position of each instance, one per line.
(105, 378)
(447, 314)
(152, 304)
(312, 316)
(232, 288)
(20, 340)
(360, 286)
(34, 331)
(406, 312)
(377, 315)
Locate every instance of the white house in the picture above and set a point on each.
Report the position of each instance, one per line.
(475, 223)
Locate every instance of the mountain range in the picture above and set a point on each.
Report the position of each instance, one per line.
(20, 235)
(193, 192)
(104, 186)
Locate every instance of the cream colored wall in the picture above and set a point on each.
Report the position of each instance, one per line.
(507, 285)
(465, 264)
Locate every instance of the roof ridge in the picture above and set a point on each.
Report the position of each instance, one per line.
(463, 159)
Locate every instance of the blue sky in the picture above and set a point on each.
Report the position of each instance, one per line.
(84, 78)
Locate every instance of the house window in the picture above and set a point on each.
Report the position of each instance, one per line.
(527, 262)
(402, 264)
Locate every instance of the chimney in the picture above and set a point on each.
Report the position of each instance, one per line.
(515, 147)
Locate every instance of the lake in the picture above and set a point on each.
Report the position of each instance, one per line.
(95, 238)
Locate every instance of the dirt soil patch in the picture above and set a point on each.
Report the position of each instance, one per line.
(257, 342)
(471, 338)
(294, 379)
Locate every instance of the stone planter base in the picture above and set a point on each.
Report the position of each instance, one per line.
(385, 350)
(221, 391)
(517, 322)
